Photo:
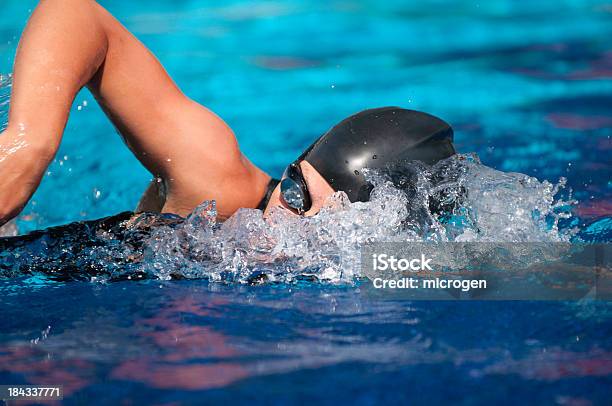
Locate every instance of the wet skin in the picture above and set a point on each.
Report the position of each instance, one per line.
(191, 153)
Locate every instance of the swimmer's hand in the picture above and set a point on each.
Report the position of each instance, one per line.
(22, 165)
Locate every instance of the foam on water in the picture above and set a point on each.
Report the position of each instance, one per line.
(458, 199)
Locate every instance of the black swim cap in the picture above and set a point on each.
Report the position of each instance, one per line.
(374, 138)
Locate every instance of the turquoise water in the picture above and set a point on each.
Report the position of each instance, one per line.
(526, 85)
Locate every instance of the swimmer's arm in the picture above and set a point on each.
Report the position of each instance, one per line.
(69, 44)
(62, 47)
(58, 53)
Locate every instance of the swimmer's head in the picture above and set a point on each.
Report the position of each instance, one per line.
(369, 139)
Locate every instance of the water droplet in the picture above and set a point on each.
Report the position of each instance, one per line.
(374, 156)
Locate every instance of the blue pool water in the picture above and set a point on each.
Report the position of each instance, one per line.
(526, 85)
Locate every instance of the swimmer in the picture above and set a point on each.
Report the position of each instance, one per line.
(372, 139)
(71, 44)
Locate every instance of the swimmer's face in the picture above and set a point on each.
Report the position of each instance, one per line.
(318, 189)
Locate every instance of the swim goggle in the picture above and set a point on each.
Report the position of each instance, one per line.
(294, 191)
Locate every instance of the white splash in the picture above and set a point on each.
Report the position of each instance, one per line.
(9, 229)
(458, 199)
